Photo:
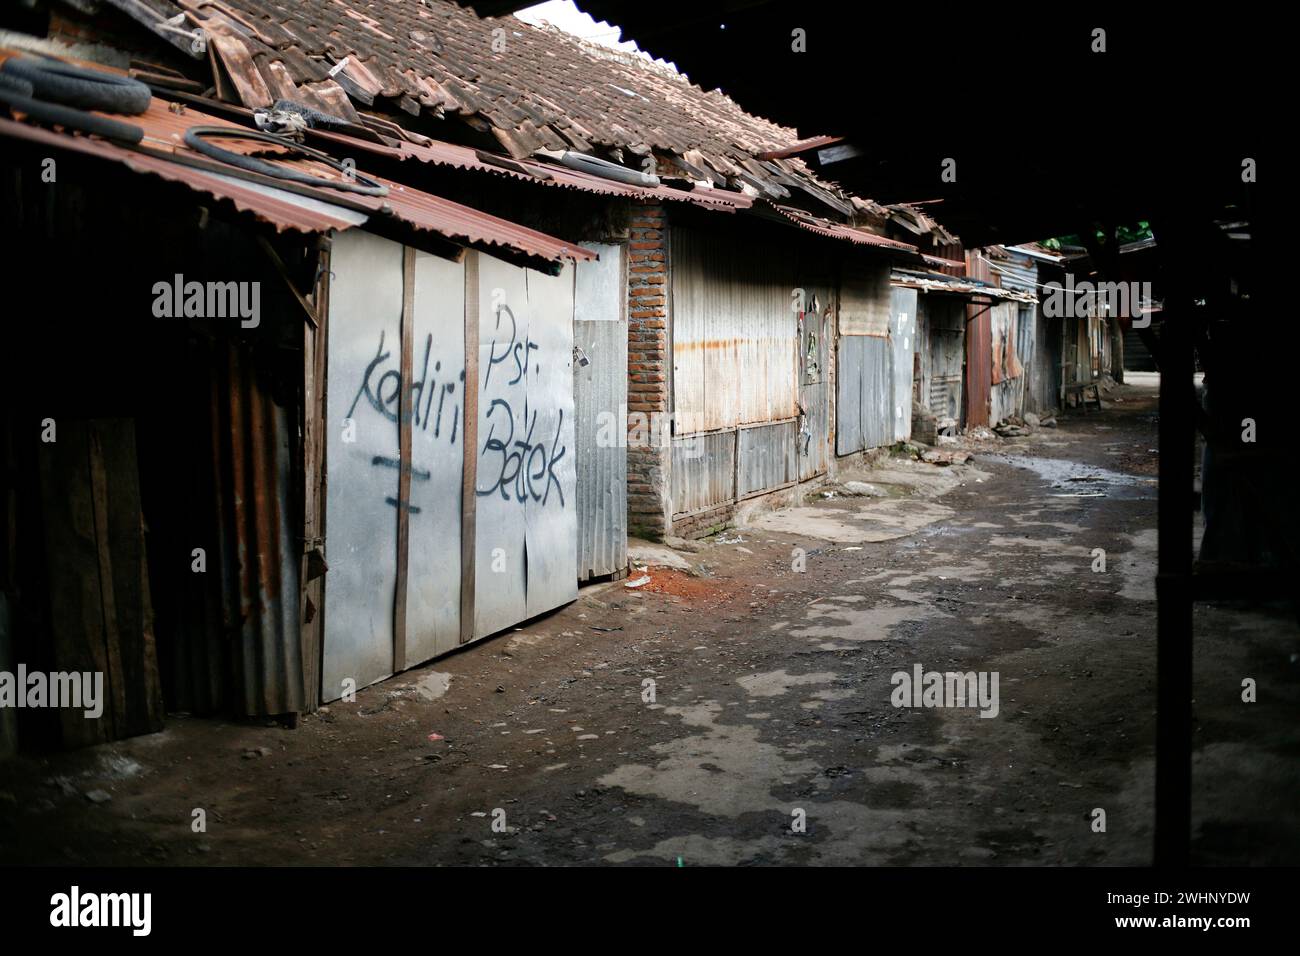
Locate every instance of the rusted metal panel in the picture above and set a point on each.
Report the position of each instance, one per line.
(767, 457)
(301, 208)
(531, 171)
(812, 441)
(261, 449)
(978, 372)
(733, 333)
(1014, 271)
(836, 230)
(1012, 329)
(1046, 380)
(600, 401)
(816, 325)
(703, 471)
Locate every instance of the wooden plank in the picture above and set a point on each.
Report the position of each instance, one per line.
(469, 471)
(73, 570)
(128, 609)
(404, 459)
(312, 608)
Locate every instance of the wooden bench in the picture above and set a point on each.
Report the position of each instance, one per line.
(1083, 390)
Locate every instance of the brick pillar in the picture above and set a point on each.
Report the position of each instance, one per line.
(649, 455)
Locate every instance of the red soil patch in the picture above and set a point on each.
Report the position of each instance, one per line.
(676, 584)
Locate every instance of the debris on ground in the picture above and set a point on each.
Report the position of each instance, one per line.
(647, 554)
(936, 457)
(638, 582)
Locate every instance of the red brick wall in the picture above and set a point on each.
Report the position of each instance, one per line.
(648, 369)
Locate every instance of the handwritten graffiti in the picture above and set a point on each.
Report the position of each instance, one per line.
(516, 459)
(524, 466)
(512, 350)
(382, 390)
(523, 463)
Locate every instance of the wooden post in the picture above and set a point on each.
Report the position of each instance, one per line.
(469, 469)
(404, 457)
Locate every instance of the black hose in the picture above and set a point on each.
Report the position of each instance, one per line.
(57, 82)
(194, 138)
(69, 118)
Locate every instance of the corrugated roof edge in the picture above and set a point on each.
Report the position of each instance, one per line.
(287, 210)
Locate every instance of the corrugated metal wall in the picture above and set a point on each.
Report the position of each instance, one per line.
(816, 323)
(864, 404)
(1006, 393)
(767, 457)
(1045, 381)
(733, 332)
(942, 362)
(395, 441)
(1017, 272)
(744, 355)
(260, 580)
(979, 351)
(864, 389)
(902, 334)
(600, 410)
(703, 471)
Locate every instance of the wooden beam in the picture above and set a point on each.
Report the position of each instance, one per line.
(404, 455)
(469, 443)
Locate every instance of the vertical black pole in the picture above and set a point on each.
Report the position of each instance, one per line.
(1173, 583)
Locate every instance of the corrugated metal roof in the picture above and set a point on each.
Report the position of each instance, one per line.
(307, 209)
(276, 211)
(544, 174)
(938, 282)
(837, 230)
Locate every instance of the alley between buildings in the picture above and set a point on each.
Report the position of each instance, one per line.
(691, 719)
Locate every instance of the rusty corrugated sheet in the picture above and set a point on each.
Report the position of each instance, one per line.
(703, 471)
(279, 212)
(322, 211)
(768, 458)
(538, 173)
(979, 350)
(836, 230)
(260, 577)
(734, 332)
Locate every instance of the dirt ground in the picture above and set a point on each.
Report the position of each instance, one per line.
(771, 695)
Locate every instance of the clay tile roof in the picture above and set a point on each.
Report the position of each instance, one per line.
(537, 87)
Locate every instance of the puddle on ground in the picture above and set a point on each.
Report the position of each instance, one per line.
(1074, 477)
(861, 624)
(878, 520)
(775, 683)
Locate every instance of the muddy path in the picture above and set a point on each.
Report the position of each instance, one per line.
(694, 719)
